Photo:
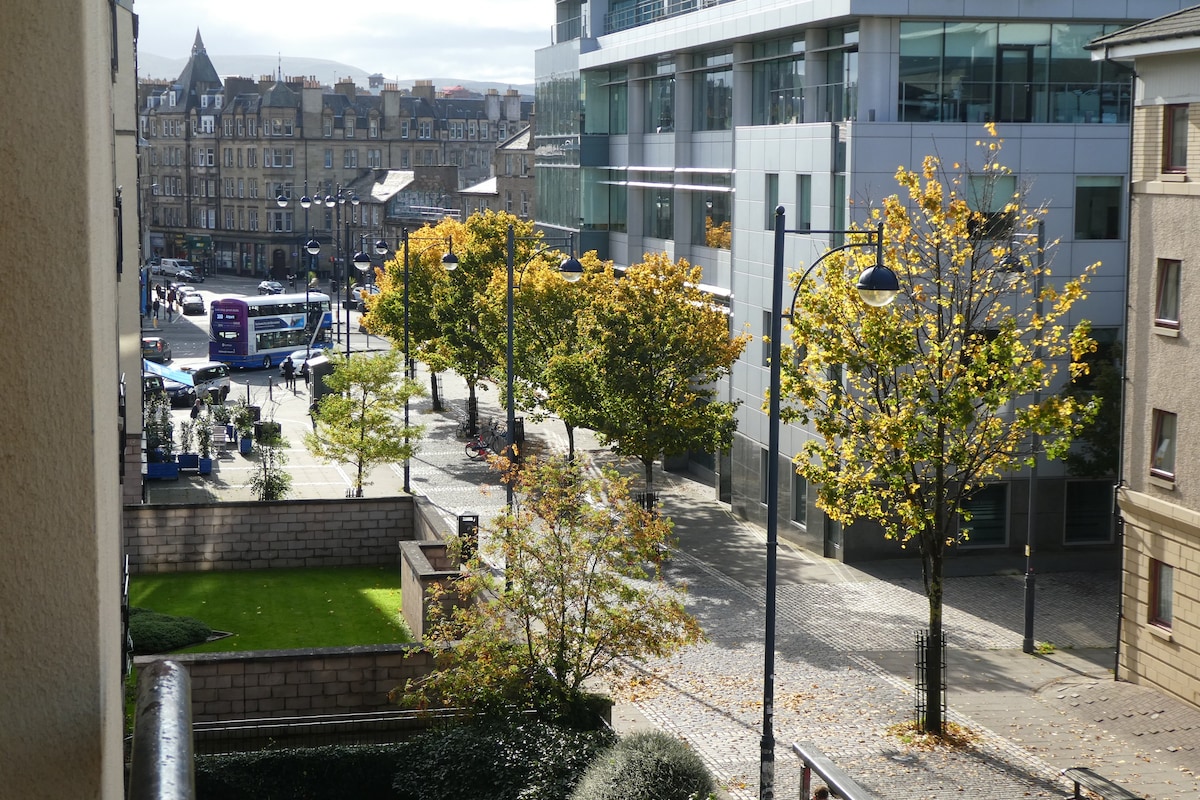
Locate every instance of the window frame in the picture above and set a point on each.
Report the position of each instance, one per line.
(1170, 163)
(1161, 608)
(1160, 419)
(1167, 278)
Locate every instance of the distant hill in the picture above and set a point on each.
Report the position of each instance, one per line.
(327, 72)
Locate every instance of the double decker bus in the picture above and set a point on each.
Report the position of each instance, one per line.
(262, 331)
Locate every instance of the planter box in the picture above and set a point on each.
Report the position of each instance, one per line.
(189, 461)
(205, 466)
(244, 445)
(162, 470)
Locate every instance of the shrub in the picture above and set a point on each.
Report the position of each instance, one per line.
(498, 760)
(153, 632)
(304, 773)
(646, 766)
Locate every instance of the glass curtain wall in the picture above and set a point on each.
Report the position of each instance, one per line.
(660, 98)
(778, 82)
(605, 102)
(1008, 72)
(556, 138)
(712, 106)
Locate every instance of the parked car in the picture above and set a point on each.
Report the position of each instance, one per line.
(358, 293)
(155, 348)
(270, 287)
(211, 377)
(152, 384)
(172, 266)
(192, 303)
(180, 394)
(190, 276)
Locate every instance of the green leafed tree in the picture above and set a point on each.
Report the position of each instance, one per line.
(921, 403)
(546, 313)
(359, 422)
(653, 346)
(270, 481)
(582, 591)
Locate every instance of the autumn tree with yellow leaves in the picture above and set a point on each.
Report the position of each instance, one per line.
(921, 403)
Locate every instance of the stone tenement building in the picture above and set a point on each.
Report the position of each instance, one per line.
(216, 155)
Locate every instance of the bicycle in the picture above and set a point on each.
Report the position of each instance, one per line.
(490, 438)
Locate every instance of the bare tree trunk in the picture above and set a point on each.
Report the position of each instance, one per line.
(433, 392)
(570, 442)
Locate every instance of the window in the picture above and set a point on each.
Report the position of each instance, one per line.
(1175, 130)
(327, 126)
(348, 126)
(403, 129)
(375, 158)
(1088, 512)
(1098, 207)
(710, 215)
(660, 98)
(350, 159)
(771, 198)
(803, 203)
(799, 499)
(659, 214)
(373, 128)
(990, 195)
(1162, 459)
(1162, 594)
(778, 88)
(227, 156)
(328, 158)
(713, 102)
(764, 463)
(987, 509)
(1166, 304)
(425, 129)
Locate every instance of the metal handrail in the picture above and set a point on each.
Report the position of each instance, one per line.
(161, 759)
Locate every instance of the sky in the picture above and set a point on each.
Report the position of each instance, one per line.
(483, 40)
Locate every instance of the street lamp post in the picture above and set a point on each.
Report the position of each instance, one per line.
(313, 247)
(877, 286)
(571, 270)
(1014, 267)
(450, 263)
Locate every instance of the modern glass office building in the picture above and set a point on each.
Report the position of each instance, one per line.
(679, 125)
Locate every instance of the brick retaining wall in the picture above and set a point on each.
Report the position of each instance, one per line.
(257, 535)
(290, 683)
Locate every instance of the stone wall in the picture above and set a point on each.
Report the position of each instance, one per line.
(422, 565)
(274, 535)
(292, 683)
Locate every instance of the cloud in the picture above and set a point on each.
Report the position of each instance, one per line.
(471, 39)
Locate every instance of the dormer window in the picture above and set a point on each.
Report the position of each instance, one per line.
(348, 126)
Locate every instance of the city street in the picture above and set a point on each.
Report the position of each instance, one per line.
(845, 635)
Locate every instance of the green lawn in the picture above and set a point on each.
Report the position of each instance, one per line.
(283, 608)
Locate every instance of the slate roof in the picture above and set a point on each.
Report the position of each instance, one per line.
(1179, 25)
(518, 141)
(280, 95)
(199, 76)
(488, 187)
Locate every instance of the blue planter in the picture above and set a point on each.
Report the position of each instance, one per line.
(205, 466)
(244, 445)
(162, 470)
(189, 461)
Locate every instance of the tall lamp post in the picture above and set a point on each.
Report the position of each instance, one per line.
(450, 263)
(877, 286)
(1014, 267)
(313, 247)
(571, 270)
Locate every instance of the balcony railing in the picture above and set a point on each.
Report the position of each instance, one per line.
(991, 101)
(644, 12)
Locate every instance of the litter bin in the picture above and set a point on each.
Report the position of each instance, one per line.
(519, 430)
(255, 413)
(468, 534)
(266, 430)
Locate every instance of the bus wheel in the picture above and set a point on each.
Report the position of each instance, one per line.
(266, 362)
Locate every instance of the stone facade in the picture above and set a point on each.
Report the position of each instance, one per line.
(1160, 504)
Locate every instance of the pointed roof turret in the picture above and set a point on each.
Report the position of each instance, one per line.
(199, 76)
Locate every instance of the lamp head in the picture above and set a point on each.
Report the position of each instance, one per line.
(878, 286)
(381, 248)
(313, 247)
(330, 201)
(305, 202)
(281, 200)
(450, 262)
(1011, 269)
(354, 199)
(362, 261)
(570, 269)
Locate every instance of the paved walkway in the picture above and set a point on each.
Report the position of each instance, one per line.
(845, 644)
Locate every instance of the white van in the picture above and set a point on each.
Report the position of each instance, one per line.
(172, 266)
(211, 376)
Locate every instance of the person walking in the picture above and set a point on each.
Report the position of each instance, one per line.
(289, 373)
(197, 407)
(155, 308)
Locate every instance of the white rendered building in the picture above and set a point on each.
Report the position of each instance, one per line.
(678, 126)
